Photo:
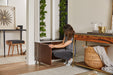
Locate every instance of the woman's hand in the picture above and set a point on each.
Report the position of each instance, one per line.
(51, 46)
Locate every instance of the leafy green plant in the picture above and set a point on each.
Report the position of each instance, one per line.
(42, 18)
(63, 14)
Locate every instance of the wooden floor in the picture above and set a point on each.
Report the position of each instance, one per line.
(22, 67)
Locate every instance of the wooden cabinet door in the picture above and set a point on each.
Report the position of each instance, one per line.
(44, 53)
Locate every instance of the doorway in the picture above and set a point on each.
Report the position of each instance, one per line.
(20, 19)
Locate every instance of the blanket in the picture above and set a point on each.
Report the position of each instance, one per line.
(105, 59)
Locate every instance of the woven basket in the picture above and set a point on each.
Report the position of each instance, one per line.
(92, 59)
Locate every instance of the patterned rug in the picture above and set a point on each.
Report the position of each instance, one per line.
(65, 70)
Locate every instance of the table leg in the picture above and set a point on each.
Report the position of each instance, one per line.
(74, 49)
(86, 43)
(20, 34)
(4, 41)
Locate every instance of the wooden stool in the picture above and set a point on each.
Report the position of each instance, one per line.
(15, 43)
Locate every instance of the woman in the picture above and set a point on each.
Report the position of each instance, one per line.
(67, 44)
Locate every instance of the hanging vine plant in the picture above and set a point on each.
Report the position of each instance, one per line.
(42, 18)
(63, 16)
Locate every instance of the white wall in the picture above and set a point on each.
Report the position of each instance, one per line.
(36, 11)
(3, 2)
(83, 12)
(57, 19)
(20, 6)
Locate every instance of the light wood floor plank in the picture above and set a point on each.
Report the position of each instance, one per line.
(22, 67)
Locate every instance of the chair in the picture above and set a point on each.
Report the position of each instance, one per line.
(15, 43)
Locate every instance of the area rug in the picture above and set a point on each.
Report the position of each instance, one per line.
(14, 59)
(93, 73)
(64, 70)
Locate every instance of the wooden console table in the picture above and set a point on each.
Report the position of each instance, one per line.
(100, 38)
(5, 30)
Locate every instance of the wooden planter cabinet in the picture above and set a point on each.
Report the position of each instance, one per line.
(43, 53)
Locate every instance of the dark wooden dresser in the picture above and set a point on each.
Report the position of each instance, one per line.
(43, 53)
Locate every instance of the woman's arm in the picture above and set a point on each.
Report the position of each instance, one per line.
(61, 45)
(51, 45)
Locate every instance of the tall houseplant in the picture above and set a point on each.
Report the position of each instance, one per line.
(63, 16)
(42, 18)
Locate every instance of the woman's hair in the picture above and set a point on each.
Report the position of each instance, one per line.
(68, 31)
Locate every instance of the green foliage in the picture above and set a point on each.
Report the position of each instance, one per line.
(42, 29)
(42, 23)
(42, 34)
(63, 14)
(42, 18)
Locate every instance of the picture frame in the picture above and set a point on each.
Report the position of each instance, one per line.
(7, 17)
